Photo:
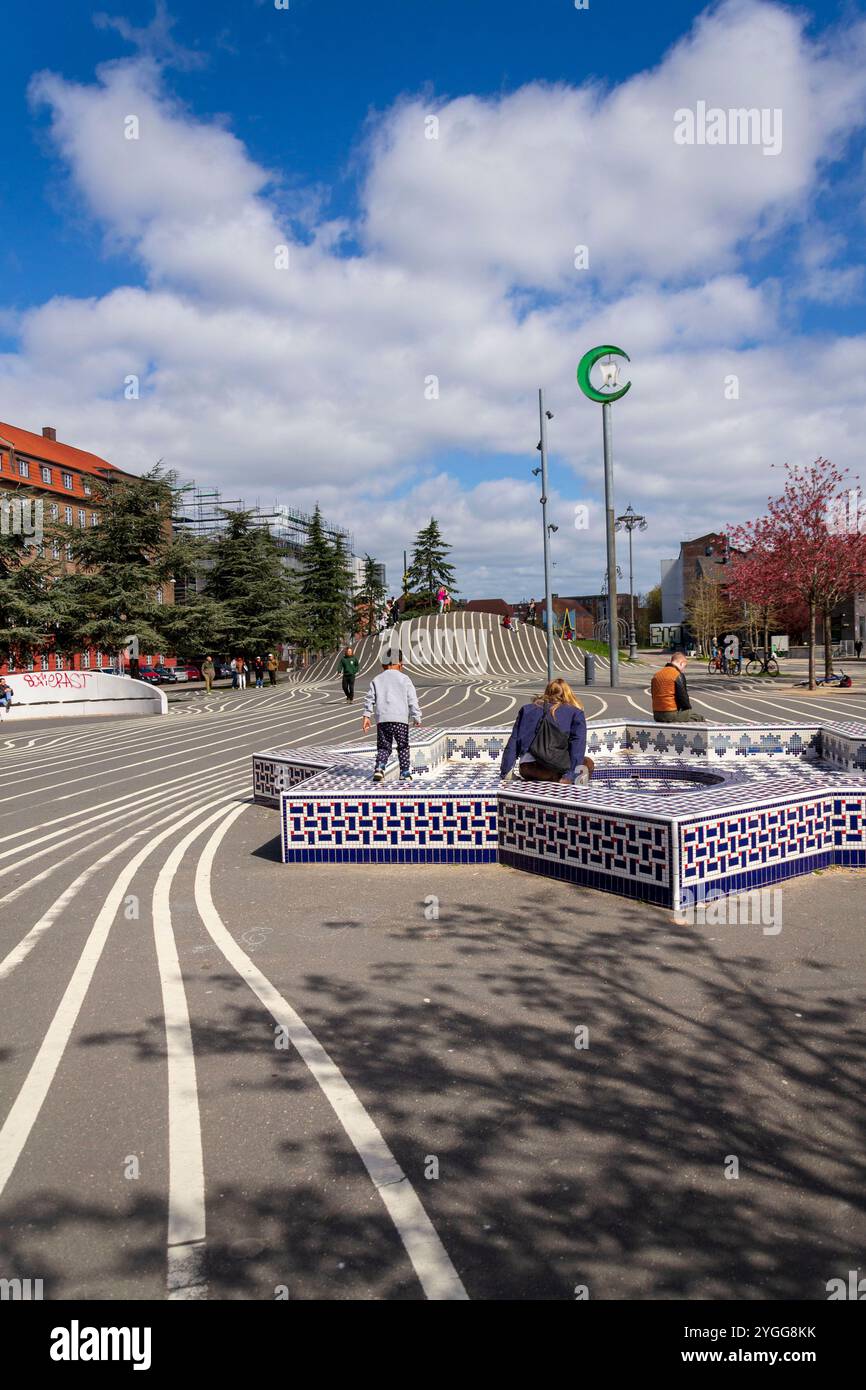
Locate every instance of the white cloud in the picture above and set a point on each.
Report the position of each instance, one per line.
(308, 383)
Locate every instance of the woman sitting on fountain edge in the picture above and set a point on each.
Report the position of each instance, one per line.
(550, 736)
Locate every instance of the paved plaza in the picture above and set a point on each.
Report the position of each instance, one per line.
(224, 1076)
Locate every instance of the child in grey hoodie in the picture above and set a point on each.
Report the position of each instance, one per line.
(392, 700)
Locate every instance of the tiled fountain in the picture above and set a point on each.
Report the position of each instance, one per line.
(672, 809)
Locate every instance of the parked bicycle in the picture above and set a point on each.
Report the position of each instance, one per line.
(762, 666)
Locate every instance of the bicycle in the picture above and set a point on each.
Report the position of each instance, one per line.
(762, 665)
(725, 666)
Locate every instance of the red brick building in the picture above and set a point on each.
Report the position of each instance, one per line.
(64, 478)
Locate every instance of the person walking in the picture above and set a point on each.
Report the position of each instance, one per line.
(5, 698)
(391, 700)
(530, 616)
(670, 694)
(858, 647)
(208, 670)
(349, 670)
(241, 671)
(442, 598)
(272, 668)
(259, 672)
(548, 740)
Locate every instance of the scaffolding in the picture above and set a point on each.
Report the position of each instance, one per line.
(202, 512)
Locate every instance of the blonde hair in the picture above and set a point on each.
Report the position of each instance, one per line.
(559, 692)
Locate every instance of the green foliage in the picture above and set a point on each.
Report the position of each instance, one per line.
(430, 568)
(369, 599)
(121, 563)
(247, 606)
(322, 611)
(27, 613)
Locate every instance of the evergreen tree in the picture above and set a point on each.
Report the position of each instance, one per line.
(324, 589)
(344, 589)
(430, 568)
(369, 598)
(249, 594)
(122, 563)
(27, 612)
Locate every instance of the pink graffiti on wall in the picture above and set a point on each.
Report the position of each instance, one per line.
(55, 680)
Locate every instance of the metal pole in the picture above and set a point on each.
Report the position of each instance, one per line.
(632, 636)
(612, 611)
(547, 581)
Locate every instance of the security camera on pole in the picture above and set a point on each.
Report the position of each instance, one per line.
(610, 392)
(547, 527)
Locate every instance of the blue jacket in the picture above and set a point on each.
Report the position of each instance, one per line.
(568, 718)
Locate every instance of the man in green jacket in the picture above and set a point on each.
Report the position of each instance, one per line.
(349, 668)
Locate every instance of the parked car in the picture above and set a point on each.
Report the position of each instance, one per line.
(193, 673)
(173, 673)
(149, 674)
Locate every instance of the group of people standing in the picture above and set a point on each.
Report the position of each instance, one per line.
(243, 671)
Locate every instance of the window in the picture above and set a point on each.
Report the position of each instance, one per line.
(29, 664)
(47, 475)
(69, 552)
(55, 550)
(24, 468)
(67, 480)
(85, 661)
(43, 661)
(82, 517)
(53, 511)
(58, 662)
(94, 519)
(67, 515)
(159, 596)
(85, 483)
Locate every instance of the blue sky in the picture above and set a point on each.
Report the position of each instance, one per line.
(411, 258)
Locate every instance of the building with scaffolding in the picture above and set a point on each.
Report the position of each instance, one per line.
(204, 512)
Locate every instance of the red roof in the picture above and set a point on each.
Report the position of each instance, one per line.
(36, 446)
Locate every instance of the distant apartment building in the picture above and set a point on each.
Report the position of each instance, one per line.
(701, 558)
(65, 479)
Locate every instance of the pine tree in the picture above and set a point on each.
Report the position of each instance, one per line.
(369, 598)
(27, 612)
(344, 588)
(430, 568)
(122, 562)
(249, 590)
(323, 605)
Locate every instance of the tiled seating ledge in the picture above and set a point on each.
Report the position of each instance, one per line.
(673, 811)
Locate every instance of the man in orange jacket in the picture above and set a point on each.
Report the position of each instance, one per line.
(671, 704)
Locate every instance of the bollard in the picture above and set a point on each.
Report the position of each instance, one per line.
(589, 668)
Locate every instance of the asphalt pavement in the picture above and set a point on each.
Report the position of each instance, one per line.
(226, 1078)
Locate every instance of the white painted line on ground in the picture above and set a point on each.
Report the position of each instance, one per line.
(185, 1244)
(26, 1107)
(439, 1279)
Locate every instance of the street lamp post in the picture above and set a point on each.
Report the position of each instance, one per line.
(630, 521)
(544, 416)
(615, 392)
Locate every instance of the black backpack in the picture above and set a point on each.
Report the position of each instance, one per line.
(550, 745)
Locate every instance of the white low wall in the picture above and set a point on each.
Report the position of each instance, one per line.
(71, 694)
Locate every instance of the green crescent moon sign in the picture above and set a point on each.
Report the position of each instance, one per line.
(585, 366)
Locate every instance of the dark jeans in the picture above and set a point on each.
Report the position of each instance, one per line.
(349, 687)
(388, 734)
(678, 716)
(272, 677)
(537, 772)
